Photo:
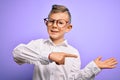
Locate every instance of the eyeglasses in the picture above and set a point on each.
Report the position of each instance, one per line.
(60, 22)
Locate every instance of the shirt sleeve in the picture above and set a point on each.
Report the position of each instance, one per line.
(87, 73)
(30, 54)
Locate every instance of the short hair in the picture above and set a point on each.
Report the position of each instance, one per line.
(60, 8)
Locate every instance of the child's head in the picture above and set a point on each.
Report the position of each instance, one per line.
(58, 22)
(60, 9)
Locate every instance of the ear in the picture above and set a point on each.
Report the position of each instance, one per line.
(69, 27)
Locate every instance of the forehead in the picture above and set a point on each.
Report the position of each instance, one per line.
(60, 15)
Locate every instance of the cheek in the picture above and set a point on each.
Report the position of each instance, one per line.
(63, 30)
(48, 28)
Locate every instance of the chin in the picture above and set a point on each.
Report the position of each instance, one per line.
(53, 37)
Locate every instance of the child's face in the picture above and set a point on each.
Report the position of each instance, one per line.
(58, 25)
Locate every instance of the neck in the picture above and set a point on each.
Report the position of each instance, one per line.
(57, 41)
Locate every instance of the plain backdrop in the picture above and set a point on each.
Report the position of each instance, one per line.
(96, 32)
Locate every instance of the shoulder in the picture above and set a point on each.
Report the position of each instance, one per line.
(73, 49)
(37, 42)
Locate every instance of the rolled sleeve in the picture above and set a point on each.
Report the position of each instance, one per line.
(95, 68)
(89, 72)
(30, 54)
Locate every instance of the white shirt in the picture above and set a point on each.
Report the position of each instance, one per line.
(36, 52)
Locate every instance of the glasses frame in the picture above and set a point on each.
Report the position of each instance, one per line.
(46, 20)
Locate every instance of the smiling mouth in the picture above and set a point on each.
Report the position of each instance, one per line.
(54, 31)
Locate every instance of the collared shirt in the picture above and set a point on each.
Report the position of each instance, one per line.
(36, 52)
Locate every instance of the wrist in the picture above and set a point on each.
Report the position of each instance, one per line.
(97, 64)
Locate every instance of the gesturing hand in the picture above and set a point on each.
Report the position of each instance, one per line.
(106, 64)
(59, 57)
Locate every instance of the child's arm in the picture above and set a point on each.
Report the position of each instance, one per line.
(59, 57)
(30, 53)
(93, 68)
(87, 73)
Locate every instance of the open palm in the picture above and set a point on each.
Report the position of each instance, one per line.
(106, 64)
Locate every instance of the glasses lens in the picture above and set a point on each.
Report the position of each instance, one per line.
(61, 23)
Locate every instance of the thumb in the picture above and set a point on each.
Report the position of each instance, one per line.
(71, 55)
(99, 58)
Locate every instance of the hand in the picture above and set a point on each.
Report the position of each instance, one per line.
(59, 57)
(106, 64)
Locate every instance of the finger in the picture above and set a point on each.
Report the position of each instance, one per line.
(112, 67)
(71, 55)
(110, 60)
(62, 63)
(113, 63)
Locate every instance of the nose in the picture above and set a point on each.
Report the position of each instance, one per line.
(55, 24)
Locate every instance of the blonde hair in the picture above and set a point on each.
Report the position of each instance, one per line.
(60, 8)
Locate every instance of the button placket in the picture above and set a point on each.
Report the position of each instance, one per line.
(52, 65)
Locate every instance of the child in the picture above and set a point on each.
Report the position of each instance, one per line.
(54, 58)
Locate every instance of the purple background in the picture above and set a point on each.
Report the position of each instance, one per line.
(96, 32)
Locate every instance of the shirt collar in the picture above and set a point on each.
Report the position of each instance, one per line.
(64, 43)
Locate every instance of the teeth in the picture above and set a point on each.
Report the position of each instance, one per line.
(53, 31)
